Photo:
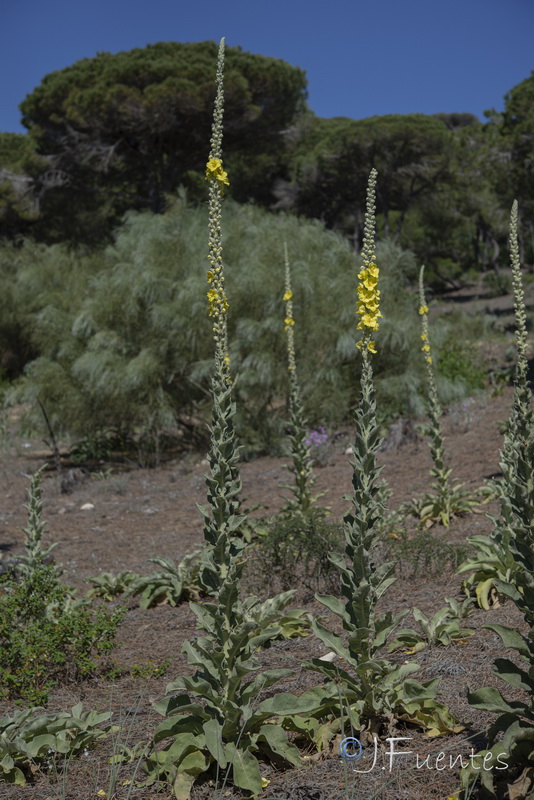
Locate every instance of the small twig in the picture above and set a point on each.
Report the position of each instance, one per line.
(53, 443)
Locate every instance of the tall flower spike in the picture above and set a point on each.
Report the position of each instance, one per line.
(368, 291)
(437, 450)
(217, 177)
(301, 468)
(450, 498)
(434, 405)
(222, 519)
(289, 324)
(522, 388)
(518, 439)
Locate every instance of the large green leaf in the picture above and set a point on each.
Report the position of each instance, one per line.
(384, 626)
(245, 769)
(483, 591)
(180, 703)
(511, 591)
(518, 731)
(330, 640)
(432, 715)
(276, 738)
(194, 763)
(173, 726)
(512, 638)
(261, 682)
(411, 689)
(490, 699)
(334, 605)
(214, 742)
(10, 773)
(182, 785)
(286, 704)
(512, 674)
(44, 742)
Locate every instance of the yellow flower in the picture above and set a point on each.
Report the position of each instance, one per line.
(369, 321)
(211, 276)
(429, 359)
(288, 295)
(364, 294)
(426, 348)
(289, 321)
(214, 169)
(217, 302)
(423, 310)
(368, 302)
(424, 337)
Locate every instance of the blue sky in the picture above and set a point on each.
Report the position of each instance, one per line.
(362, 57)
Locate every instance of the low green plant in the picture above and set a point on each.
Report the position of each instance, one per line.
(444, 505)
(289, 623)
(150, 669)
(46, 634)
(30, 738)
(421, 553)
(294, 547)
(46, 638)
(441, 629)
(459, 363)
(172, 584)
(460, 608)
(492, 563)
(100, 447)
(35, 554)
(109, 585)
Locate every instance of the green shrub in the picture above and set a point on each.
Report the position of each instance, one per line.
(297, 544)
(424, 554)
(46, 637)
(497, 284)
(461, 364)
(118, 343)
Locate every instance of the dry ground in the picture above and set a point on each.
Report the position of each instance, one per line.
(142, 513)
